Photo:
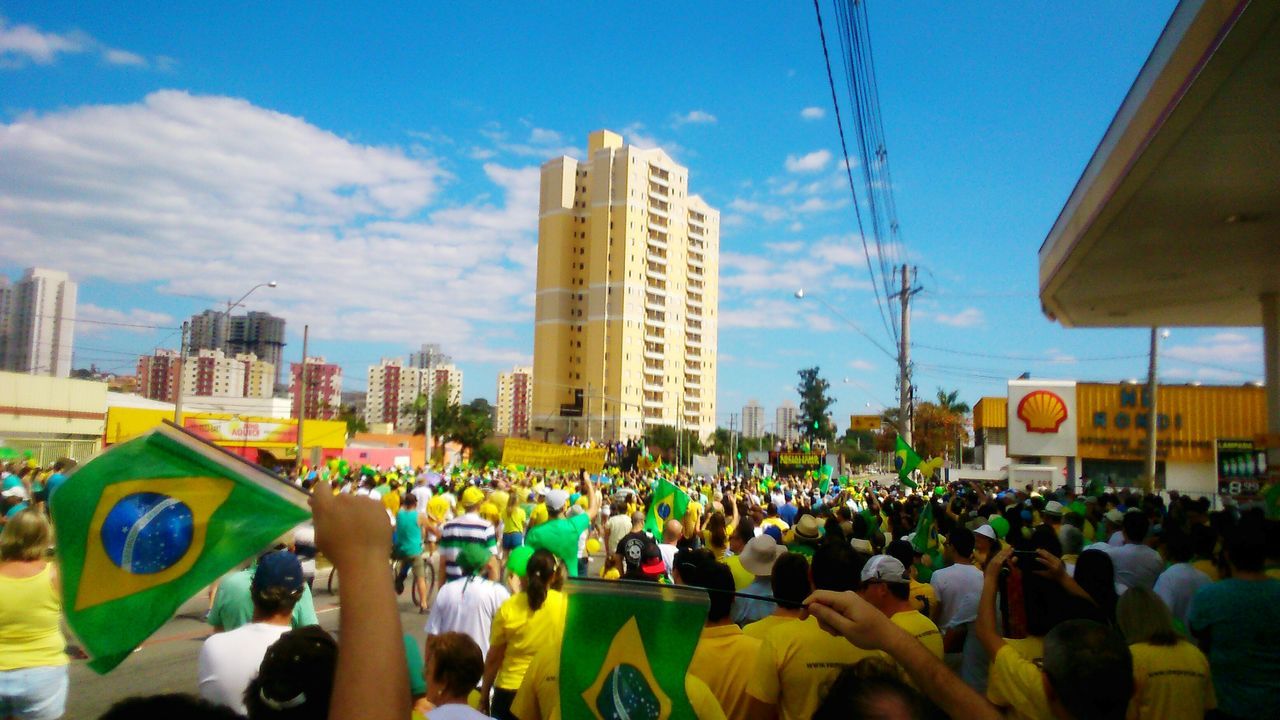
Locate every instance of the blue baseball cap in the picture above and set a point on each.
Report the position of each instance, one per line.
(280, 569)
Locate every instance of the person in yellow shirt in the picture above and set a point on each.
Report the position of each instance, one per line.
(32, 649)
(513, 527)
(772, 520)
(738, 540)
(1087, 667)
(526, 623)
(798, 661)
(790, 585)
(1171, 674)
(724, 656)
(923, 598)
(539, 514)
(391, 499)
(886, 586)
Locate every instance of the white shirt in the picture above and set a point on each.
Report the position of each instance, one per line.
(467, 606)
(1136, 565)
(619, 527)
(958, 589)
(668, 555)
(456, 711)
(229, 662)
(1176, 586)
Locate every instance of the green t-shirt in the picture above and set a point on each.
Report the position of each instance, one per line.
(233, 605)
(560, 536)
(417, 670)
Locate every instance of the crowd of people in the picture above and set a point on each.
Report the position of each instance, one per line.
(825, 600)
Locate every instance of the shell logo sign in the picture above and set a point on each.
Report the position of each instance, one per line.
(1042, 411)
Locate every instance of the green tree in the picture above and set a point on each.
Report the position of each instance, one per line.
(471, 424)
(355, 423)
(950, 402)
(814, 420)
(660, 438)
(722, 444)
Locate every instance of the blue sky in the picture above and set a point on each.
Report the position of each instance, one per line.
(381, 164)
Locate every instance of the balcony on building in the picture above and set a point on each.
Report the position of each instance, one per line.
(657, 240)
(656, 273)
(658, 191)
(656, 287)
(659, 209)
(652, 403)
(654, 370)
(691, 302)
(696, 233)
(655, 302)
(654, 336)
(694, 369)
(652, 387)
(659, 176)
(694, 262)
(693, 342)
(695, 274)
(658, 222)
(655, 259)
(654, 353)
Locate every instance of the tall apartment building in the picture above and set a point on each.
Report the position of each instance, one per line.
(429, 356)
(37, 323)
(393, 384)
(515, 402)
(259, 333)
(785, 423)
(322, 397)
(627, 295)
(158, 375)
(259, 376)
(752, 420)
(210, 373)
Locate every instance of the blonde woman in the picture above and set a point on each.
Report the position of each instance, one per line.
(33, 663)
(1171, 675)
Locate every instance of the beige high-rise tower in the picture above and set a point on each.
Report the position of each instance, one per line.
(628, 291)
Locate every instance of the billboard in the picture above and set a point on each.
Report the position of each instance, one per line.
(1242, 468)
(865, 422)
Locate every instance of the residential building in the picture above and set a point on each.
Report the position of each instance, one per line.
(322, 397)
(752, 420)
(393, 385)
(259, 376)
(515, 401)
(37, 323)
(158, 375)
(785, 423)
(627, 296)
(211, 373)
(259, 333)
(429, 356)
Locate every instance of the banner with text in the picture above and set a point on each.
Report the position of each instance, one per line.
(546, 456)
(236, 430)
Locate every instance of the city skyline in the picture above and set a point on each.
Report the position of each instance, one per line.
(422, 223)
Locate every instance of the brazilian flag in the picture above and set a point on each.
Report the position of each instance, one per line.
(149, 523)
(907, 461)
(627, 648)
(669, 503)
(925, 541)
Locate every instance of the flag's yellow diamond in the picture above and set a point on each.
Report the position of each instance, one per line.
(626, 689)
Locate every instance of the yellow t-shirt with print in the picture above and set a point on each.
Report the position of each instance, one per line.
(775, 522)
(539, 695)
(762, 627)
(923, 598)
(1171, 682)
(741, 576)
(723, 660)
(795, 665)
(538, 515)
(513, 520)
(525, 632)
(1017, 683)
(921, 628)
(1208, 568)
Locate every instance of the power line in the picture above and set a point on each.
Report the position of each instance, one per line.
(848, 169)
(104, 322)
(1028, 358)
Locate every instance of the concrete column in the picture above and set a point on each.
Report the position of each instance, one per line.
(1271, 359)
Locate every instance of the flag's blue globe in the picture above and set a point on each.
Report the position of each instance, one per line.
(145, 533)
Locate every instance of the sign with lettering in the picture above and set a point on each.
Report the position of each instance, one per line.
(1242, 468)
(796, 463)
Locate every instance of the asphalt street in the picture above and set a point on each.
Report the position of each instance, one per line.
(166, 663)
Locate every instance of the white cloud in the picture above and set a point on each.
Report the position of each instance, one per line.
(123, 57)
(770, 213)
(817, 204)
(196, 194)
(861, 365)
(694, 117)
(21, 45)
(541, 143)
(813, 113)
(966, 318)
(830, 263)
(811, 162)
(1231, 348)
(94, 320)
(636, 134)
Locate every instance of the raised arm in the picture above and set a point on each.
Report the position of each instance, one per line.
(371, 681)
(985, 626)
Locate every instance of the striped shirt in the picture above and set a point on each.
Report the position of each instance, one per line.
(461, 531)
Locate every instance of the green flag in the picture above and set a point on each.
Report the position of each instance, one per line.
(925, 542)
(627, 648)
(907, 460)
(669, 503)
(149, 523)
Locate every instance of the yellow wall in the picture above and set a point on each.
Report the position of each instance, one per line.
(124, 423)
(33, 405)
(1111, 420)
(991, 413)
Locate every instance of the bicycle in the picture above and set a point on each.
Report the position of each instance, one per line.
(398, 566)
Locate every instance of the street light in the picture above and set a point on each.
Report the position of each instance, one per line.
(801, 295)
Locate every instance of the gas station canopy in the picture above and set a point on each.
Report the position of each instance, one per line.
(1176, 219)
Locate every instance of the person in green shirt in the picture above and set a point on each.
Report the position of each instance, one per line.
(559, 533)
(233, 605)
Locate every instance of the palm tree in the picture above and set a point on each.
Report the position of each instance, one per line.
(950, 401)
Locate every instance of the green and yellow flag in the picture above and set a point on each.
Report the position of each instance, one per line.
(626, 650)
(925, 541)
(149, 523)
(669, 503)
(907, 460)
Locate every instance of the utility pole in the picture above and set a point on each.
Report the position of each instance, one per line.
(302, 389)
(588, 412)
(431, 402)
(733, 457)
(177, 392)
(904, 355)
(1149, 476)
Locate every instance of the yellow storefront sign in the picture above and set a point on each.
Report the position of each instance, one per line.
(865, 422)
(1112, 420)
(547, 456)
